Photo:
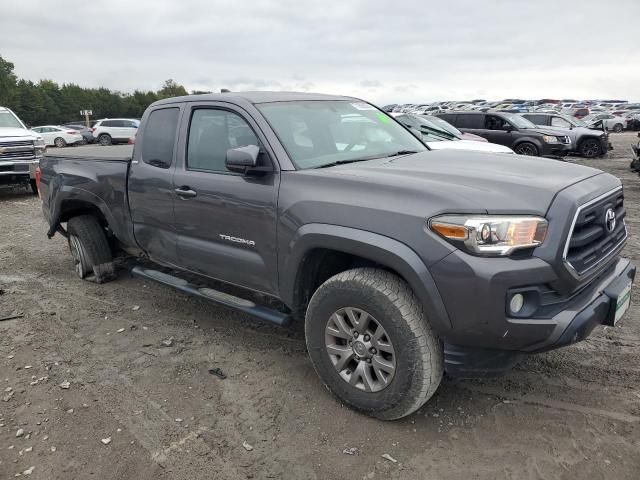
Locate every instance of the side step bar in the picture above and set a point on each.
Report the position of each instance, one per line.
(221, 298)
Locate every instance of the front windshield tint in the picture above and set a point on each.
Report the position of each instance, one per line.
(8, 120)
(518, 121)
(316, 133)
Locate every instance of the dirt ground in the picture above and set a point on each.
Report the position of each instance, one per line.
(568, 414)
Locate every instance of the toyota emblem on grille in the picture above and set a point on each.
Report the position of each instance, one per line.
(610, 220)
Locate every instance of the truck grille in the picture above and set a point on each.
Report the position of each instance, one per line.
(597, 232)
(10, 150)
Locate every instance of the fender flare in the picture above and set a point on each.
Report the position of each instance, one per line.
(65, 193)
(371, 246)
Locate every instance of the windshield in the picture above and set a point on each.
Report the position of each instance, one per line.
(444, 125)
(575, 121)
(320, 133)
(8, 120)
(518, 121)
(429, 131)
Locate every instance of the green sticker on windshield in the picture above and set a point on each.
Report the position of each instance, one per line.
(383, 118)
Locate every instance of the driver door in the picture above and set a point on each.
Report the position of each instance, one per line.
(225, 221)
(498, 130)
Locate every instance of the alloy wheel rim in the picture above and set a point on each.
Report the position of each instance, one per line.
(525, 150)
(76, 254)
(360, 349)
(590, 149)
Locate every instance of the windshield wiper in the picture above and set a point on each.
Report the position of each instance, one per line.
(344, 162)
(401, 152)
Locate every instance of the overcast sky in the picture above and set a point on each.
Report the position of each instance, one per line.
(383, 51)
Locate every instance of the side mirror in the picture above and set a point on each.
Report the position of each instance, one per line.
(244, 160)
(507, 127)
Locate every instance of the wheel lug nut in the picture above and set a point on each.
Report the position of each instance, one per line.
(355, 334)
(373, 350)
(366, 338)
(368, 360)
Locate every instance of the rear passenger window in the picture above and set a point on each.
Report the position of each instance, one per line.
(469, 121)
(212, 133)
(159, 137)
(108, 123)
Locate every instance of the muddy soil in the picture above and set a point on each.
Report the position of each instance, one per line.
(567, 414)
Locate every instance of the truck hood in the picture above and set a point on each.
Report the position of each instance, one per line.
(464, 182)
(16, 132)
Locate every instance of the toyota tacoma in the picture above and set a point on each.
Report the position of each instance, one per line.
(403, 263)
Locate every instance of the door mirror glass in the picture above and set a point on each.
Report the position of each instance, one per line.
(242, 159)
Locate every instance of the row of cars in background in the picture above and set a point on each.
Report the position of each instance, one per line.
(105, 132)
(614, 115)
(535, 134)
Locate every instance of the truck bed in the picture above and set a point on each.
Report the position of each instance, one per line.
(86, 182)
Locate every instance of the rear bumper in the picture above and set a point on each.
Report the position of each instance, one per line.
(594, 306)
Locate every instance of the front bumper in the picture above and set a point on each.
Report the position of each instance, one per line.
(486, 340)
(555, 149)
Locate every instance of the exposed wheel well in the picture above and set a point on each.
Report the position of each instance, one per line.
(74, 208)
(317, 266)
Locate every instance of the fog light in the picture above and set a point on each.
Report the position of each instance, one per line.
(516, 303)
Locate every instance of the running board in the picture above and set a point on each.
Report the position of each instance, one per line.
(221, 298)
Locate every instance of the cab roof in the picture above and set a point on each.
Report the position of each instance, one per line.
(254, 97)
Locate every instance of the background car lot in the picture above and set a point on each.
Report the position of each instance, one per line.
(571, 413)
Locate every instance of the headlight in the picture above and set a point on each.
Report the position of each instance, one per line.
(496, 235)
(39, 146)
(550, 139)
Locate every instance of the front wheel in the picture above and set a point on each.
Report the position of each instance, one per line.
(527, 148)
(60, 142)
(618, 128)
(590, 148)
(371, 344)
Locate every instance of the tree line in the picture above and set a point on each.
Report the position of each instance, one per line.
(47, 103)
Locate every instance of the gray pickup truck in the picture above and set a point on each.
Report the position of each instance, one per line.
(403, 263)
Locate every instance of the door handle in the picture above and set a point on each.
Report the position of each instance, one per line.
(186, 192)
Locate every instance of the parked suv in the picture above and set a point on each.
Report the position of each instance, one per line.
(115, 130)
(585, 141)
(512, 131)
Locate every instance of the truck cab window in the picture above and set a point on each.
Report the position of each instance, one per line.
(213, 132)
(159, 137)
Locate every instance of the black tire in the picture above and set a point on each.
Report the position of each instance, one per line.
(60, 142)
(88, 244)
(527, 148)
(590, 148)
(618, 127)
(105, 139)
(34, 186)
(418, 354)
